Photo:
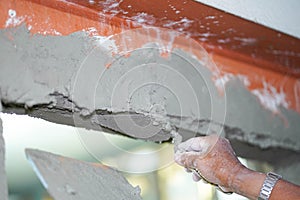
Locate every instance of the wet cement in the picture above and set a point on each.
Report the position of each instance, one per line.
(75, 80)
(70, 179)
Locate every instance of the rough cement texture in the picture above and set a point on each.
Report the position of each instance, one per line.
(3, 180)
(75, 80)
(70, 179)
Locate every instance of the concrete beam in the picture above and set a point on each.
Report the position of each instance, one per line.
(70, 179)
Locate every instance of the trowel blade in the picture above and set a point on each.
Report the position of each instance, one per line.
(134, 125)
(70, 179)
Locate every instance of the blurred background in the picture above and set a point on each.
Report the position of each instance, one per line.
(159, 177)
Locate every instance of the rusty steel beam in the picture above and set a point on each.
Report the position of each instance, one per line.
(220, 32)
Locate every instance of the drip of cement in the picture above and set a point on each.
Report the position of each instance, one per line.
(71, 179)
(3, 181)
(177, 139)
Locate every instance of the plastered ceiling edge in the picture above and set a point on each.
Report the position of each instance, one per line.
(276, 14)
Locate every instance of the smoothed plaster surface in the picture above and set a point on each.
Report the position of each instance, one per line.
(76, 80)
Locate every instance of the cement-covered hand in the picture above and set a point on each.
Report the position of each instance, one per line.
(213, 157)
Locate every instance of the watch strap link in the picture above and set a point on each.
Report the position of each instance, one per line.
(268, 185)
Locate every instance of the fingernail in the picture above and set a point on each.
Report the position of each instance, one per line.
(196, 177)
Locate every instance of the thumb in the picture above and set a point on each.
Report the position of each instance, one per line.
(199, 144)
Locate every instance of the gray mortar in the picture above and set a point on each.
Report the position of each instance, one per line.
(71, 179)
(3, 180)
(63, 79)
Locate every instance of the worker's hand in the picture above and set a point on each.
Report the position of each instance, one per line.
(213, 157)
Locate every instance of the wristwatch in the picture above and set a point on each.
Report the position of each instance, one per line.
(268, 185)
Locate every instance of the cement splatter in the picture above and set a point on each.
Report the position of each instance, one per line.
(246, 41)
(177, 139)
(285, 53)
(180, 25)
(143, 18)
(221, 80)
(13, 20)
(270, 98)
(224, 41)
(112, 7)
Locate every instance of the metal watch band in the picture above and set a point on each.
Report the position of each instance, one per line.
(268, 185)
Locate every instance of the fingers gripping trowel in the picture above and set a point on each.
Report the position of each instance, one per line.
(70, 179)
(177, 139)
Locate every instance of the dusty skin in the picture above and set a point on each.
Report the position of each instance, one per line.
(217, 163)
